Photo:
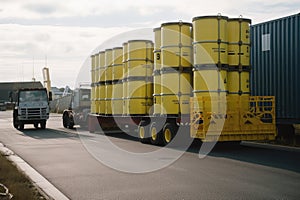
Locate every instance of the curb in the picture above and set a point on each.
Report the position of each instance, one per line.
(271, 146)
(36, 178)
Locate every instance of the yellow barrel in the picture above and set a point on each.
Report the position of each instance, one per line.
(125, 58)
(102, 66)
(140, 58)
(176, 44)
(125, 70)
(210, 41)
(140, 50)
(117, 98)
(102, 98)
(140, 100)
(93, 87)
(239, 42)
(156, 92)
(124, 97)
(157, 50)
(175, 91)
(108, 81)
(117, 64)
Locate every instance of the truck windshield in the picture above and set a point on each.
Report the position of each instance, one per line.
(31, 95)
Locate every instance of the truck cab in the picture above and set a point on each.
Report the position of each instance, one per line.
(31, 107)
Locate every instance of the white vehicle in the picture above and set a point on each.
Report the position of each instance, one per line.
(31, 107)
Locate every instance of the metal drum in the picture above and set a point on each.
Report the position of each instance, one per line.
(176, 44)
(140, 100)
(239, 42)
(210, 59)
(140, 58)
(93, 87)
(156, 92)
(117, 76)
(210, 41)
(157, 50)
(125, 74)
(117, 100)
(102, 98)
(102, 94)
(97, 77)
(175, 91)
(108, 81)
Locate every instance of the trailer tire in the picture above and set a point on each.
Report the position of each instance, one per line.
(155, 135)
(169, 132)
(143, 132)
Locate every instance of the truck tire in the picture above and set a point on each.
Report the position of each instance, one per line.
(155, 134)
(43, 125)
(36, 125)
(65, 120)
(15, 121)
(21, 126)
(169, 132)
(143, 132)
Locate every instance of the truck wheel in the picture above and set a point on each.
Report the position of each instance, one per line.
(155, 134)
(143, 132)
(21, 126)
(36, 125)
(169, 132)
(15, 121)
(43, 125)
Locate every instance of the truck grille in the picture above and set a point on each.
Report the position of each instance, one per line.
(34, 113)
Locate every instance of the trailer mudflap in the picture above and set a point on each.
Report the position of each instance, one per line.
(233, 118)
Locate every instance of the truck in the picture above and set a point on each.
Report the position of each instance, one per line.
(31, 106)
(79, 108)
(192, 82)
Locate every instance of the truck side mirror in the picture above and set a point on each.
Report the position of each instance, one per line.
(50, 96)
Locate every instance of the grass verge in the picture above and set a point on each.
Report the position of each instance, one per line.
(17, 183)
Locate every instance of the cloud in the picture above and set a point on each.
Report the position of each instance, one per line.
(41, 8)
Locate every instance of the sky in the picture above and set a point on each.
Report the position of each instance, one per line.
(63, 34)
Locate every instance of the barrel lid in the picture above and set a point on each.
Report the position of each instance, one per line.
(108, 49)
(156, 29)
(92, 55)
(210, 17)
(176, 23)
(115, 48)
(101, 52)
(240, 19)
(147, 41)
(125, 43)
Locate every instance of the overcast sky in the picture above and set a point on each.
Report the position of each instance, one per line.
(67, 32)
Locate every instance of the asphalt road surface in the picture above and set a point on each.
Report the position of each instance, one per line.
(67, 159)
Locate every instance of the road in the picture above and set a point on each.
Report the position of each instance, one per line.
(228, 172)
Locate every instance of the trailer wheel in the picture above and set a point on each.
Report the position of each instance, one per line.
(155, 135)
(43, 125)
(15, 121)
(168, 133)
(65, 120)
(143, 132)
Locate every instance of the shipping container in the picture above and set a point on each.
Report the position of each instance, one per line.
(275, 62)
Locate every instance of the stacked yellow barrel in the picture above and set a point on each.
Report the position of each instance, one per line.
(156, 72)
(102, 94)
(97, 86)
(125, 82)
(176, 65)
(93, 85)
(210, 56)
(108, 81)
(139, 77)
(239, 59)
(117, 84)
